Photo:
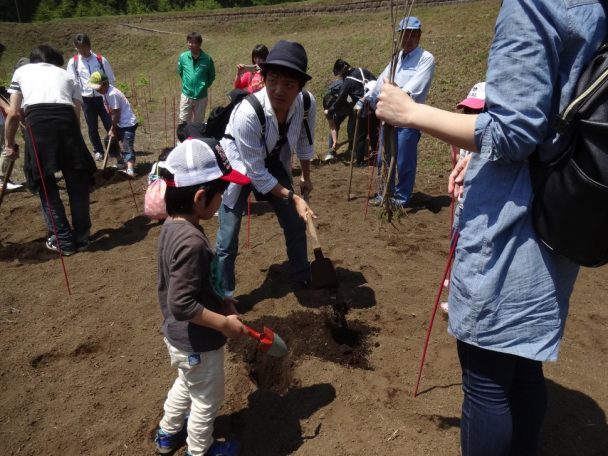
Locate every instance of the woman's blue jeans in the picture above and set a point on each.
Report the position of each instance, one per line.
(505, 400)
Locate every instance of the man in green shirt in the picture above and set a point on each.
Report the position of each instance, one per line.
(197, 71)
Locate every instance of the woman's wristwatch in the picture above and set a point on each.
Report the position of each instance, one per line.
(289, 196)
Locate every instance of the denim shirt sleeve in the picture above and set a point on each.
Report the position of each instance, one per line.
(520, 103)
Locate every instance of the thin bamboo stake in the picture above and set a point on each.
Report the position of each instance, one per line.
(174, 126)
(149, 127)
(49, 207)
(434, 312)
(352, 156)
(165, 106)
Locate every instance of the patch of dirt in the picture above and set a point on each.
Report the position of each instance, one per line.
(87, 373)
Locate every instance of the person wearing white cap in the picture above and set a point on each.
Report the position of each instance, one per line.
(414, 74)
(197, 318)
(509, 294)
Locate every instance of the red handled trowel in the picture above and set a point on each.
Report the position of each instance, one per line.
(269, 342)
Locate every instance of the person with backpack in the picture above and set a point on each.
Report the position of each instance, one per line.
(263, 132)
(509, 294)
(355, 86)
(81, 66)
(335, 120)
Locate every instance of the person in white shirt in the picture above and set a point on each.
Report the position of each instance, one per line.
(414, 73)
(51, 101)
(124, 121)
(264, 153)
(81, 66)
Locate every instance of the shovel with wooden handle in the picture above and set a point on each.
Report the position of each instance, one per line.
(323, 274)
(269, 342)
(107, 153)
(7, 176)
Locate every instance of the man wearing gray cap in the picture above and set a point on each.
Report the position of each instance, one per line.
(414, 73)
(263, 132)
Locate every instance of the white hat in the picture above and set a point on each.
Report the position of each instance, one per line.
(476, 99)
(198, 161)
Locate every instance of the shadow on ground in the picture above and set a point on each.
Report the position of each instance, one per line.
(270, 425)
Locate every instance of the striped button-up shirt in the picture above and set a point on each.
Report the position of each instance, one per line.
(246, 152)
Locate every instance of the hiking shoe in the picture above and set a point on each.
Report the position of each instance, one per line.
(10, 185)
(399, 203)
(98, 156)
(130, 172)
(168, 443)
(82, 246)
(331, 155)
(51, 244)
(377, 200)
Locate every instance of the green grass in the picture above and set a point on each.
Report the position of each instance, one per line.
(458, 35)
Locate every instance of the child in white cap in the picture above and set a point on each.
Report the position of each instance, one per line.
(124, 121)
(197, 318)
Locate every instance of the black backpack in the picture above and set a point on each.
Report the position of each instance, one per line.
(570, 209)
(220, 115)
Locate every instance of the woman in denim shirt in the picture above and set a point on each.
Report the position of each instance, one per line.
(509, 295)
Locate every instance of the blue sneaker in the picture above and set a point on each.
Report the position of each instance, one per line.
(168, 443)
(227, 448)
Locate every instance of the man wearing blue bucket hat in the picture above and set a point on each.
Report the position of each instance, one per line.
(414, 73)
(263, 133)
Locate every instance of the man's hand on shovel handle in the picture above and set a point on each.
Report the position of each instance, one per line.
(303, 208)
(305, 198)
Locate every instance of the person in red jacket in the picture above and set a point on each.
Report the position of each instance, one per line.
(249, 77)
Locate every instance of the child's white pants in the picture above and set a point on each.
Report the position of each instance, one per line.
(198, 389)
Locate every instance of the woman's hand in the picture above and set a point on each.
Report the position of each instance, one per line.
(456, 179)
(394, 105)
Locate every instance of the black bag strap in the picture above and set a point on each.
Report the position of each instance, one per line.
(307, 103)
(259, 111)
(99, 59)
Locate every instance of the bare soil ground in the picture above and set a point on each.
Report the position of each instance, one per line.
(87, 373)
